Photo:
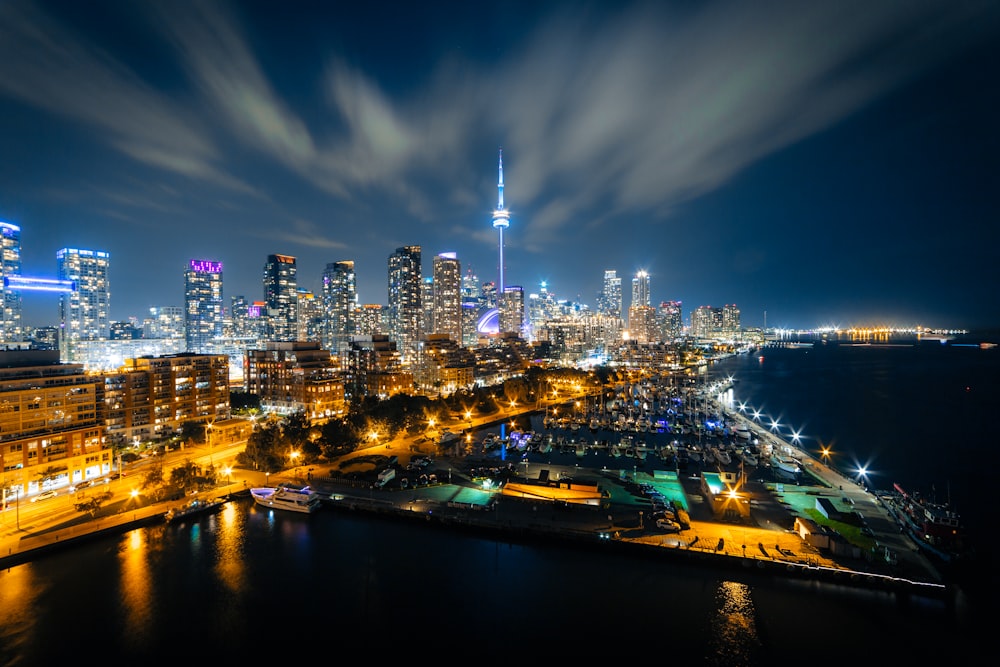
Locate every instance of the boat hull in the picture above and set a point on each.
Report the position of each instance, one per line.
(303, 501)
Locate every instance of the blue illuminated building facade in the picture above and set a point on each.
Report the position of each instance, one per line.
(10, 297)
(84, 313)
(203, 311)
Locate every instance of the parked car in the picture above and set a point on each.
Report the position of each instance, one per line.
(45, 495)
(80, 485)
(668, 526)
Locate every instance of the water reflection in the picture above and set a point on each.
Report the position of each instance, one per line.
(136, 585)
(734, 638)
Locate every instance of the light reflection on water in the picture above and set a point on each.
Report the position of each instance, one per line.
(245, 581)
(734, 639)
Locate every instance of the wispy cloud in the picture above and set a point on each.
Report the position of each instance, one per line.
(47, 65)
(629, 112)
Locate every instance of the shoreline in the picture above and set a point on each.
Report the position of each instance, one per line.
(707, 544)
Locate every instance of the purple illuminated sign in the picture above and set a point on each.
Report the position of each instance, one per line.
(203, 266)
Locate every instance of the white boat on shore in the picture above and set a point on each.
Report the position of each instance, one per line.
(741, 431)
(285, 497)
(786, 465)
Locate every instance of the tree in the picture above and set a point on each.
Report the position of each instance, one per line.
(92, 504)
(48, 474)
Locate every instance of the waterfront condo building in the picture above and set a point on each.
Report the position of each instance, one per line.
(308, 315)
(10, 297)
(447, 311)
(292, 377)
(51, 423)
(280, 285)
(153, 396)
(609, 302)
(671, 320)
(405, 309)
(203, 310)
(84, 313)
(340, 303)
(511, 316)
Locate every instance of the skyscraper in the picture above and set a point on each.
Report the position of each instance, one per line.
(640, 289)
(405, 310)
(280, 285)
(511, 315)
(10, 298)
(642, 316)
(501, 221)
(84, 313)
(203, 308)
(448, 296)
(340, 301)
(610, 299)
(671, 320)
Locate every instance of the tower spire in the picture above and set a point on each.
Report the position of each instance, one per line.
(500, 183)
(501, 220)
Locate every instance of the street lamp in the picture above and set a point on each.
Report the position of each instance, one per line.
(208, 438)
(825, 453)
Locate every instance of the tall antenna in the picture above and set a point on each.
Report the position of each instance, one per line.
(501, 220)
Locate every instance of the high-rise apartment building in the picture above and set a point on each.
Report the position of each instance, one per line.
(405, 309)
(640, 289)
(308, 315)
(512, 310)
(427, 304)
(10, 298)
(280, 285)
(473, 306)
(84, 313)
(164, 322)
(371, 319)
(609, 301)
(340, 303)
(203, 309)
(730, 320)
(448, 296)
(671, 320)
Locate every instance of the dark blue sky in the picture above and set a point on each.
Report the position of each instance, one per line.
(828, 163)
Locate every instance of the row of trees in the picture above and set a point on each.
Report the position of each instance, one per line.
(280, 443)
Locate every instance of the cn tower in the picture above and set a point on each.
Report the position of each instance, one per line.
(501, 221)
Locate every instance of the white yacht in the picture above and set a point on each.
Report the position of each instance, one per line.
(285, 497)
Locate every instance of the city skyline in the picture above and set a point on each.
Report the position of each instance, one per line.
(822, 164)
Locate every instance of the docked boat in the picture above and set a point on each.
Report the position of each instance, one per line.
(934, 526)
(448, 437)
(786, 465)
(285, 497)
(192, 509)
(741, 431)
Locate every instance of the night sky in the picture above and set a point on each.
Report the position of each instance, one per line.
(828, 163)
